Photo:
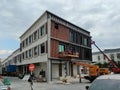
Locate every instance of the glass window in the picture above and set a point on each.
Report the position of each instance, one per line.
(118, 55)
(23, 44)
(23, 55)
(26, 41)
(61, 48)
(56, 25)
(77, 38)
(26, 54)
(20, 58)
(35, 35)
(42, 48)
(72, 48)
(35, 50)
(42, 31)
(112, 56)
(99, 58)
(71, 36)
(30, 39)
(20, 46)
(30, 53)
(15, 60)
(87, 53)
(104, 58)
(85, 41)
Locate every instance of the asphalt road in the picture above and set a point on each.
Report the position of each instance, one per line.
(18, 84)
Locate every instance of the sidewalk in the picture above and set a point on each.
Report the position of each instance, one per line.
(71, 80)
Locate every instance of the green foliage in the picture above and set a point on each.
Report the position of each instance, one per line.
(118, 64)
(106, 65)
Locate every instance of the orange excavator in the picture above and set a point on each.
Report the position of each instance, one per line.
(94, 70)
(115, 68)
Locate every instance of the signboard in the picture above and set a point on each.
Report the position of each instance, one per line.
(31, 67)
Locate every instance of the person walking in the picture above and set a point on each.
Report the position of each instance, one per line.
(30, 80)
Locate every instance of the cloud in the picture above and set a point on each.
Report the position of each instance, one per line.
(4, 53)
(100, 17)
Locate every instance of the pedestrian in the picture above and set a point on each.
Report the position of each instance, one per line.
(30, 80)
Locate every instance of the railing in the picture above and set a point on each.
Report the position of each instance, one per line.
(68, 55)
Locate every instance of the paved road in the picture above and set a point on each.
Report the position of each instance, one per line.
(18, 84)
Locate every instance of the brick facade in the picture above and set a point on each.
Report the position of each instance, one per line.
(54, 49)
(61, 33)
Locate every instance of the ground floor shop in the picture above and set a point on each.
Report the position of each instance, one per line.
(53, 69)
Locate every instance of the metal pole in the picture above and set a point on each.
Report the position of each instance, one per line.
(80, 75)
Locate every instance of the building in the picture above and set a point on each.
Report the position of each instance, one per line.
(45, 43)
(113, 54)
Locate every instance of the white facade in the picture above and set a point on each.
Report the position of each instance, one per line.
(113, 54)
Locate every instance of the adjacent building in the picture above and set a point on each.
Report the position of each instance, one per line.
(52, 44)
(113, 54)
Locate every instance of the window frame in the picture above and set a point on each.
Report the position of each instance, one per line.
(42, 51)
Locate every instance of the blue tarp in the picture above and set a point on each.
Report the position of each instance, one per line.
(11, 68)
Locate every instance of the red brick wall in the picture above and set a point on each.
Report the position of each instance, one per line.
(54, 48)
(61, 33)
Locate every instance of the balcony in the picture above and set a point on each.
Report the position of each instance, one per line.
(68, 54)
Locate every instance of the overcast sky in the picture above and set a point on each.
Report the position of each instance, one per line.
(100, 17)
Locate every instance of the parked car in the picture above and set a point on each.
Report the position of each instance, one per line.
(105, 82)
(4, 87)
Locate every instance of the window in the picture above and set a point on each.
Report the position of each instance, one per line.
(42, 31)
(30, 53)
(72, 48)
(30, 39)
(71, 36)
(15, 59)
(23, 44)
(85, 41)
(87, 54)
(26, 41)
(35, 35)
(42, 48)
(118, 55)
(98, 58)
(20, 58)
(77, 38)
(104, 58)
(112, 56)
(20, 46)
(56, 25)
(81, 39)
(23, 55)
(35, 51)
(26, 54)
(61, 48)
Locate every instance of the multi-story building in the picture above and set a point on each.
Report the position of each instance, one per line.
(46, 39)
(113, 54)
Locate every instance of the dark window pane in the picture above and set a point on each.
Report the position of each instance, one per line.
(56, 25)
(43, 48)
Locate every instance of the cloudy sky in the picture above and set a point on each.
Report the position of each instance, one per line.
(100, 17)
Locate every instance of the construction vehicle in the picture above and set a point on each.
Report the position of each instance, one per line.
(115, 68)
(94, 70)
